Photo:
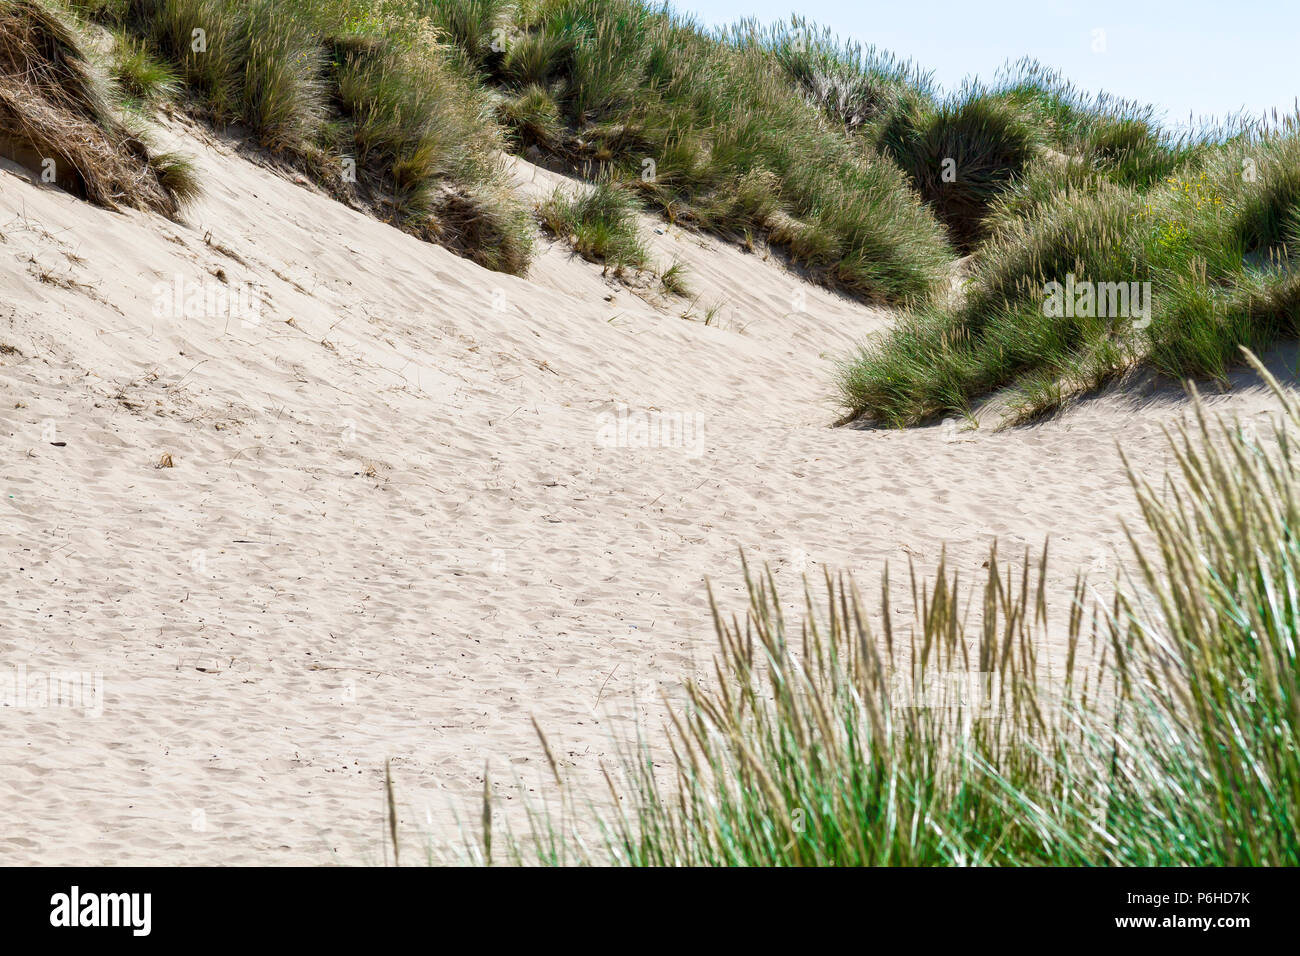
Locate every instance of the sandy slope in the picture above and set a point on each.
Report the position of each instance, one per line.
(395, 527)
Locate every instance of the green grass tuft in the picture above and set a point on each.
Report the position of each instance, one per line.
(600, 223)
(673, 281)
(532, 117)
(139, 73)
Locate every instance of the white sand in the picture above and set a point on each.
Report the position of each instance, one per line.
(392, 530)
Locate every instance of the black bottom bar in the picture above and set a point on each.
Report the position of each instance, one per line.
(334, 906)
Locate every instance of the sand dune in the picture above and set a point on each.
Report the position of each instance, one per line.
(413, 503)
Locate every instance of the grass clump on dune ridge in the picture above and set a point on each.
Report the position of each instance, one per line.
(963, 156)
(1203, 224)
(1121, 140)
(600, 223)
(959, 152)
(58, 105)
(707, 127)
(861, 88)
(1168, 736)
(1215, 241)
(364, 97)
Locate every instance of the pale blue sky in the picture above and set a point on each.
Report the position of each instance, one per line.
(1184, 56)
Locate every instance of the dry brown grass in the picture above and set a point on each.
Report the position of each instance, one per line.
(56, 105)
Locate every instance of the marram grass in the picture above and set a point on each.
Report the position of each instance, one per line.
(600, 223)
(707, 126)
(1214, 243)
(65, 111)
(1162, 732)
(370, 99)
